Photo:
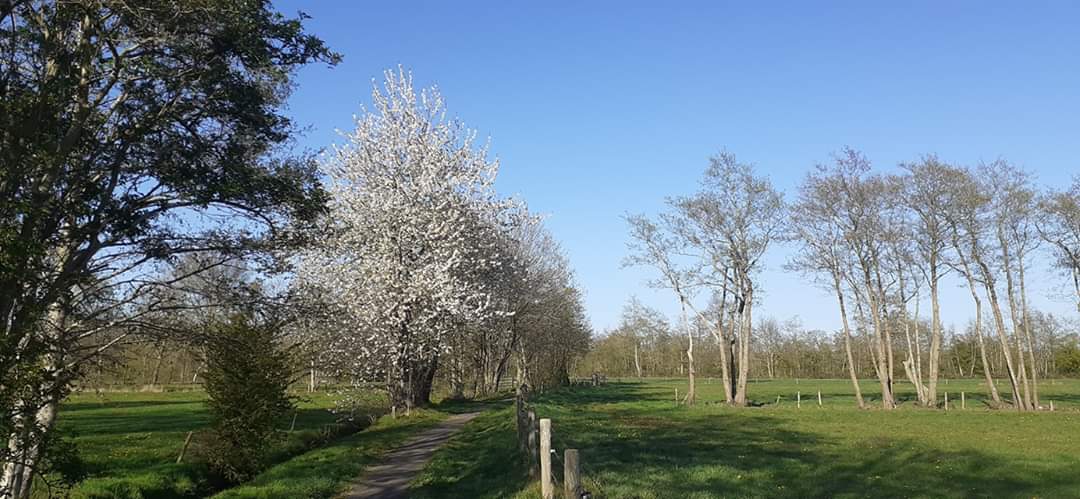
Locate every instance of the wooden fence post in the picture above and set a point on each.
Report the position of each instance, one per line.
(534, 435)
(946, 401)
(183, 450)
(963, 400)
(546, 488)
(571, 474)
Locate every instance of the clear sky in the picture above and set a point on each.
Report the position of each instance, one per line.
(596, 109)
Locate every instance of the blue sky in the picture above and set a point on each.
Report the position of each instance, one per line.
(596, 109)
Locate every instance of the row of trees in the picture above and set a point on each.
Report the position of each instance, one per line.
(150, 190)
(645, 343)
(879, 243)
(421, 264)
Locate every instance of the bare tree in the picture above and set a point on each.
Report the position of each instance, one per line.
(926, 191)
(962, 218)
(818, 226)
(653, 246)
(1013, 203)
(1060, 226)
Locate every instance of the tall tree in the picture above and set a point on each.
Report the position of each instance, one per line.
(725, 229)
(962, 217)
(1014, 203)
(820, 225)
(655, 246)
(735, 217)
(129, 132)
(926, 191)
(413, 234)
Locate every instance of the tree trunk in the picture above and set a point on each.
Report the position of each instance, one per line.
(1028, 336)
(999, 323)
(883, 368)
(691, 392)
(918, 350)
(637, 358)
(847, 345)
(727, 360)
(744, 346)
(33, 426)
(987, 372)
(1010, 294)
(935, 337)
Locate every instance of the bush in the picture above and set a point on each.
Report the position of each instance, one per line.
(1067, 360)
(247, 378)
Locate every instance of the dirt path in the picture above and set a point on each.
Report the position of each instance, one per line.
(390, 478)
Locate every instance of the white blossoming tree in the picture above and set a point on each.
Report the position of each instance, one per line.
(413, 240)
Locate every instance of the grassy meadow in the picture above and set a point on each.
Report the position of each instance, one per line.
(635, 442)
(129, 441)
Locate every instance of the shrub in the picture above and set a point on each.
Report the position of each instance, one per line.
(247, 378)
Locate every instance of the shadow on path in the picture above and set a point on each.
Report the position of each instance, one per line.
(390, 478)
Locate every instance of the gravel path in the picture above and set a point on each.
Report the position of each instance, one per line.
(390, 478)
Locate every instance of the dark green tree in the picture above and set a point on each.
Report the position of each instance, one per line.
(247, 379)
(130, 132)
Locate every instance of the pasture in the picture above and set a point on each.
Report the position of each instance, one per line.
(129, 441)
(634, 439)
(636, 442)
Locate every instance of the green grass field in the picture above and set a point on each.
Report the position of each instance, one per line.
(636, 442)
(130, 441)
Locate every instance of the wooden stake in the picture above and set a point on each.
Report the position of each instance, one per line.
(571, 474)
(676, 396)
(798, 400)
(1051, 406)
(534, 434)
(819, 398)
(777, 400)
(946, 401)
(546, 488)
(183, 450)
(963, 400)
(292, 427)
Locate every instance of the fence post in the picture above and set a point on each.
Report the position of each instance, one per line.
(183, 450)
(571, 474)
(798, 400)
(819, 398)
(963, 400)
(946, 401)
(534, 432)
(546, 489)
